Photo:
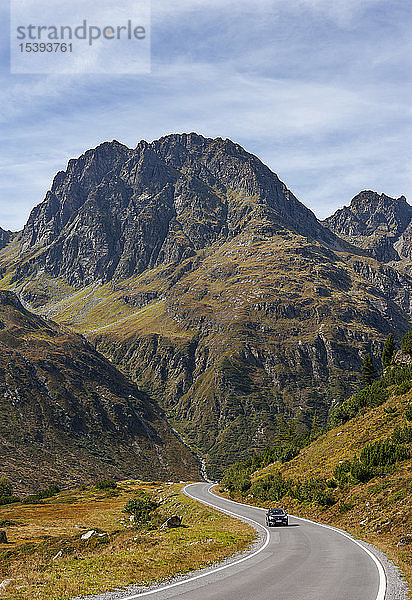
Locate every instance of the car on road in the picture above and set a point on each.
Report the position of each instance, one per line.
(276, 516)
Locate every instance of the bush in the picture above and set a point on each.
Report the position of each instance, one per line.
(236, 478)
(8, 500)
(141, 507)
(6, 492)
(373, 395)
(275, 487)
(408, 412)
(272, 487)
(6, 487)
(406, 344)
(52, 490)
(402, 435)
(106, 484)
(375, 459)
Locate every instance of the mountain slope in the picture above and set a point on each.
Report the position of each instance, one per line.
(67, 415)
(372, 502)
(194, 268)
(377, 223)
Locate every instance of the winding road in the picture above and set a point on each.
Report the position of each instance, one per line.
(304, 561)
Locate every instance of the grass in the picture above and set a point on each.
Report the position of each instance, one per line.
(127, 555)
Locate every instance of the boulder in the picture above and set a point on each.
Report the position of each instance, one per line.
(88, 534)
(5, 584)
(405, 540)
(173, 521)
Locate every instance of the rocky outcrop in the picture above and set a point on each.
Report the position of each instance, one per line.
(376, 222)
(5, 237)
(68, 415)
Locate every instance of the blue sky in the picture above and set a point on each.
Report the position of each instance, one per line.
(320, 90)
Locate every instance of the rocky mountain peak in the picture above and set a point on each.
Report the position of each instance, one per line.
(115, 211)
(375, 222)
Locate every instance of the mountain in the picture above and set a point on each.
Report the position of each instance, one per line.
(190, 265)
(67, 415)
(378, 223)
(115, 212)
(5, 237)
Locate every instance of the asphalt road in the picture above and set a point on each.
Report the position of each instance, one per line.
(304, 561)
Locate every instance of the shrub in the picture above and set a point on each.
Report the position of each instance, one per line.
(236, 478)
(6, 492)
(8, 500)
(408, 412)
(106, 484)
(141, 507)
(272, 487)
(406, 344)
(373, 395)
(388, 350)
(402, 435)
(52, 490)
(345, 506)
(376, 458)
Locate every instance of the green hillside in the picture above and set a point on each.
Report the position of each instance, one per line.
(356, 476)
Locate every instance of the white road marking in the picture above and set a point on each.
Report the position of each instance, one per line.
(382, 576)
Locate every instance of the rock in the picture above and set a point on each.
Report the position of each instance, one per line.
(405, 540)
(88, 534)
(91, 534)
(173, 521)
(5, 583)
(401, 358)
(3, 537)
(5, 237)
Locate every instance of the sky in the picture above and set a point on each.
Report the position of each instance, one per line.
(319, 90)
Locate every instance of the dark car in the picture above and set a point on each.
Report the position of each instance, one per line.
(276, 516)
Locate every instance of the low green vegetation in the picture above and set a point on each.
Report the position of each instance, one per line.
(275, 487)
(397, 379)
(106, 484)
(6, 492)
(377, 458)
(406, 345)
(48, 492)
(141, 507)
(287, 444)
(356, 474)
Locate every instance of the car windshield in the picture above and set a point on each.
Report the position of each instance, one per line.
(276, 511)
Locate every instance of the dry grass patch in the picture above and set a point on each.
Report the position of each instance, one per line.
(48, 560)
